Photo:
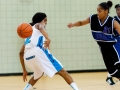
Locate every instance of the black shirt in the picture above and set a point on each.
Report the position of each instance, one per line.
(117, 19)
(104, 33)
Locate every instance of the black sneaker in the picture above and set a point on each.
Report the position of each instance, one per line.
(110, 81)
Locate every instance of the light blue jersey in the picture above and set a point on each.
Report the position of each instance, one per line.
(37, 58)
(37, 39)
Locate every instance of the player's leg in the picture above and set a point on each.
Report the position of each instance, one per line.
(36, 76)
(53, 66)
(31, 63)
(109, 80)
(115, 53)
(109, 57)
(68, 79)
(31, 83)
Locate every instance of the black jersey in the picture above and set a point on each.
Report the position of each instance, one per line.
(117, 19)
(103, 33)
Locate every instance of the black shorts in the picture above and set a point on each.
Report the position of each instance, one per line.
(111, 57)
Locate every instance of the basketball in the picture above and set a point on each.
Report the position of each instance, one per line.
(24, 30)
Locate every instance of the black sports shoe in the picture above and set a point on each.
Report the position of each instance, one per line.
(110, 81)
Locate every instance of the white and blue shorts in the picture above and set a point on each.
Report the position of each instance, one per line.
(39, 61)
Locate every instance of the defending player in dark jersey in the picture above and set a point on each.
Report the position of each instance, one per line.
(105, 30)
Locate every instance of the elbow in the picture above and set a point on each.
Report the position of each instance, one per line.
(21, 53)
(80, 23)
(49, 40)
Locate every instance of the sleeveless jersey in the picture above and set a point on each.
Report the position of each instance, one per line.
(104, 34)
(36, 40)
(117, 19)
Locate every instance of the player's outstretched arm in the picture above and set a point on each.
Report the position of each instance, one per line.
(79, 23)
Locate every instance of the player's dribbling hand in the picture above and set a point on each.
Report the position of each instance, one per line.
(25, 76)
(47, 44)
(70, 25)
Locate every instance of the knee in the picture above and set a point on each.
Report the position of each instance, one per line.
(62, 72)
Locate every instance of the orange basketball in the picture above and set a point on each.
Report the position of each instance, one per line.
(24, 30)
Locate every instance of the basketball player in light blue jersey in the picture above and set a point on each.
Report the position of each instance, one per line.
(35, 54)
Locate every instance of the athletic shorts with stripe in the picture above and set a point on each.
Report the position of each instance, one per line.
(39, 60)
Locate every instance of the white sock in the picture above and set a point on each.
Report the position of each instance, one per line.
(74, 86)
(109, 75)
(28, 87)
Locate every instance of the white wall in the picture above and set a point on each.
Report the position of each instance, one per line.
(74, 48)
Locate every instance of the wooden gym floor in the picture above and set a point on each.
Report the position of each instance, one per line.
(85, 81)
